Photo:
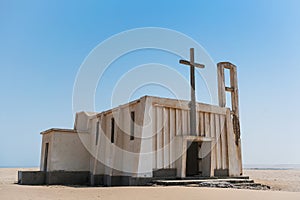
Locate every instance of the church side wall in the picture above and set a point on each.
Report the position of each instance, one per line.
(122, 156)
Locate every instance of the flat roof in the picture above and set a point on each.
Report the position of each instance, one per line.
(153, 97)
(58, 130)
(97, 114)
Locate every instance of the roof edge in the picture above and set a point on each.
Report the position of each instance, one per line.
(58, 130)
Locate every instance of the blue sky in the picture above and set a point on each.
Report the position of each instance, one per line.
(43, 43)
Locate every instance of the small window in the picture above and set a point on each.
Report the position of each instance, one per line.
(97, 132)
(112, 133)
(132, 125)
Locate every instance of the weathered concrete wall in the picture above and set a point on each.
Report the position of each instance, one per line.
(171, 120)
(46, 138)
(82, 121)
(124, 153)
(68, 178)
(31, 177)
(53, 178)
(66, 152)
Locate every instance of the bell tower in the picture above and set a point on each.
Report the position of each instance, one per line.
(234, 108)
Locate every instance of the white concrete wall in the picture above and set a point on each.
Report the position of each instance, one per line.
(66, 152)
(46, 138)
(83, 121)
(171, 120)
(114, 154)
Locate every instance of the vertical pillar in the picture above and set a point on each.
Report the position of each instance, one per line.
(234, 92)
(236, 112)
(221, 85)
(97, 143)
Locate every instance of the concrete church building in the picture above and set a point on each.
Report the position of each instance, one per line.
(144, 140)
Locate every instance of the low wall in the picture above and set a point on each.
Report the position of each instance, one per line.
(31, 177)
(68, 178)
(221, 172)
(76, 178)
(86, 178)
(53, 178)
(165, 172)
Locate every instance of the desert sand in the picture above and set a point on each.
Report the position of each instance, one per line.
(11, 191)
(278, 179)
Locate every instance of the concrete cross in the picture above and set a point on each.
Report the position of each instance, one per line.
(192, 65)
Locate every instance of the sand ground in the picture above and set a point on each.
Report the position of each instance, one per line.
(282, 180)
(11, 191)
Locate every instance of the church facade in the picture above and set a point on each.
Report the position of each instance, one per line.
(145, 139)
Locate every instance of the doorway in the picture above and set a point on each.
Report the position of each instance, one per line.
(198, 159)
(46, 157)
(192, 166)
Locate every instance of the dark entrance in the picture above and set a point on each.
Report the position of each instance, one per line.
(192, 166)
(46, 156)
(198, 159)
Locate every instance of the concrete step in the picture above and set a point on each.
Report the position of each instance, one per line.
(198, 181)
(212, 177)
(238, 183)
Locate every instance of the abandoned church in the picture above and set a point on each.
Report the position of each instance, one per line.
(144, 140)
